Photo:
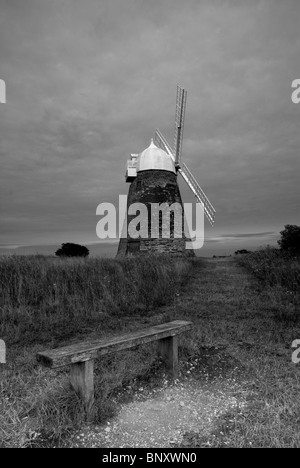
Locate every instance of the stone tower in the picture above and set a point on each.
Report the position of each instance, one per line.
(153, 180)
(152, 175)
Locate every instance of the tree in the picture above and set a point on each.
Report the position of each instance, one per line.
(242, 252)
(290, 239)
(72, 250)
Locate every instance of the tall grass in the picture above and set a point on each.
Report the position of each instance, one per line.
(43, 296)
(279, 275)
(44, 302)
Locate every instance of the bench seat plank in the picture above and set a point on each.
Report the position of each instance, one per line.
(86, 350)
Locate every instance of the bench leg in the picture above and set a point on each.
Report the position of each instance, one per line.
(168, 349)
(82, 380)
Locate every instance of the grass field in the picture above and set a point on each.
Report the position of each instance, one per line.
(246, 308)
(47, 302)
(279, 275)
(47, 299)
(251, 312)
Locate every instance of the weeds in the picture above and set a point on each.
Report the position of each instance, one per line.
(279, 276)
(253, 318)
(43, 297)
(46, 302)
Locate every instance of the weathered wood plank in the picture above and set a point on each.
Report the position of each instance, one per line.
(87, 350)
(168, 349)
(82, 380)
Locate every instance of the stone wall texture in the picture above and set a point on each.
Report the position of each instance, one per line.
(166, 233)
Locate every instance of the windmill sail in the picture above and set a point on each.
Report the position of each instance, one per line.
(179, 123)
(162, 143)
(198, 192)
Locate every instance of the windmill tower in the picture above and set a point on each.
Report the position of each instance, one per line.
(152, 175)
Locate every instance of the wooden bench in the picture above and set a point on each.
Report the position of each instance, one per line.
(81, 356)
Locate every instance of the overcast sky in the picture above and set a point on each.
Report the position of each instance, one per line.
(89, 81)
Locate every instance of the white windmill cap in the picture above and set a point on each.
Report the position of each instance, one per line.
(155, 158)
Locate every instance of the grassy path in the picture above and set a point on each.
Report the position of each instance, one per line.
(232, 311)
(236, 375)
(237, 360)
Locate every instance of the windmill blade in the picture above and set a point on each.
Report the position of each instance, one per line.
(179, 123)
(162, 143)
(198, 192)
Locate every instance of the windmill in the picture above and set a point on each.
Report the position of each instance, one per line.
(152, 175)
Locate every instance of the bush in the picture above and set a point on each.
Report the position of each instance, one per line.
(72, 250)
(290, 239)
(242, 252)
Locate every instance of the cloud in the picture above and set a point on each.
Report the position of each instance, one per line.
(250, 234)
(254, 239)
(88, 83)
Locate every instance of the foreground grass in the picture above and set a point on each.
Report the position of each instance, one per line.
(237, 312)
(44, 298)
(279, 276)
(48, 302)
(244, 315)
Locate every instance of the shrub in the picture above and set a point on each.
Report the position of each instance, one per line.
(242, 252)
(290, 239)
(72, 250)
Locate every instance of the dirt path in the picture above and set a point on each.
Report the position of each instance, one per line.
(165, 416)
(210, 384)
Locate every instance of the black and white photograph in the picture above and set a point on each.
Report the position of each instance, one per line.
(149, 226)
